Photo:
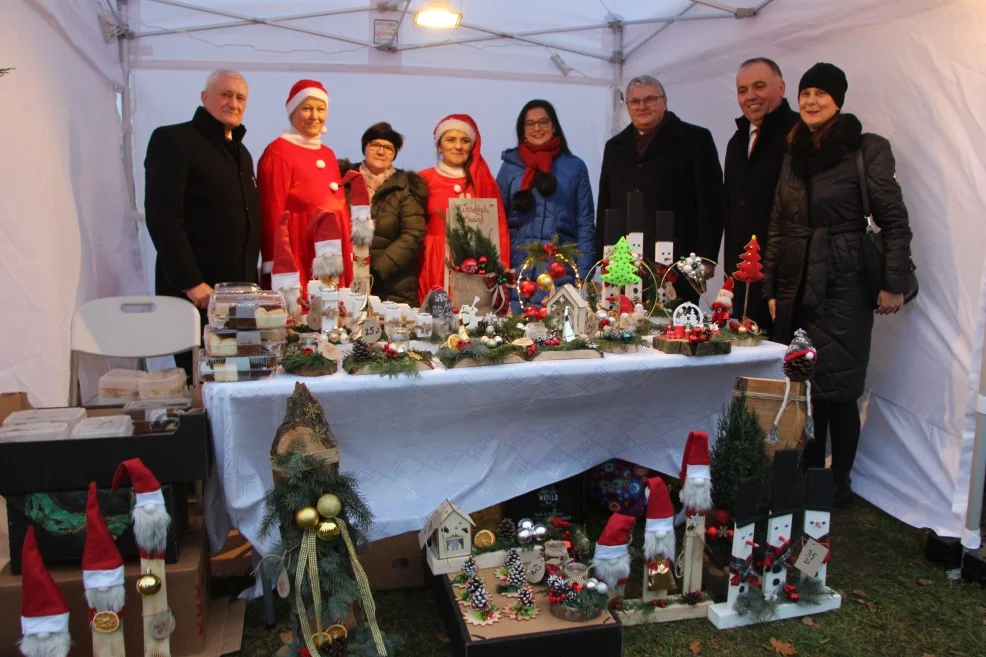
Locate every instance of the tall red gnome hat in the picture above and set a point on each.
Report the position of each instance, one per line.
(614, 542)
(695, 461)
(102, 565)
(284, 270)
(660, 511)
(359, 204)
(326, 231)
(147, 490)
(43, 609)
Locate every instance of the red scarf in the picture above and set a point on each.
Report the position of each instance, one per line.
(537, 158)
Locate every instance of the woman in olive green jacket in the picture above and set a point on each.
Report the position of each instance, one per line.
(397, 205)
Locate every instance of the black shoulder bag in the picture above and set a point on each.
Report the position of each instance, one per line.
(873, 251)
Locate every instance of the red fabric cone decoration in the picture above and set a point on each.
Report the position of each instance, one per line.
(659, 539)
(695, 476)
(284, 271)
(151, 519)
(326, 230)
(750, 269)
(102, 565)
(612, 556)
(359, 204)
(302, 90)
(43, 609)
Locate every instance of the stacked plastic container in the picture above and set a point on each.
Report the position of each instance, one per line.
(246, 333)
(121, 385)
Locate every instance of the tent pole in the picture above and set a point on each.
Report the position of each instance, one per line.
(653, 34)
(973, 517)
(126, 111)
(617, 60)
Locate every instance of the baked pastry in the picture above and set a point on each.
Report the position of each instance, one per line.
(270, 318)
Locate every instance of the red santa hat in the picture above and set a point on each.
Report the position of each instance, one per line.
(614, 542)
(102, 565)
(695, 461)
(326, 233)
(660, 511)
(43, 609)
(284, 270)
(359, 204)
(727, 288)
(147, 490)
(462, 123)
(303, 89)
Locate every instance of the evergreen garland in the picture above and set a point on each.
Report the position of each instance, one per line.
(811, 591)
(537, 254)
(755, 605)
(739, 452)
(295, 361)
(495, 355)
(406, 365)
(470, 242)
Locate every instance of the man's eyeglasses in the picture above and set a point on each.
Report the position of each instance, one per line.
(649, 101)
(541, 123)
(383, 148)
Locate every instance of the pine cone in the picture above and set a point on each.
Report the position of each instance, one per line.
(581, 554)
(572, 597)
(799, 369)
(339, 648)
(361, 350)
(507, 530)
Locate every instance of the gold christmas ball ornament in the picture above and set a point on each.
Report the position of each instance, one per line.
(545, 282)
(148, 584)
(327, 530)
(306, 518)
(333, 337)
(329, 506)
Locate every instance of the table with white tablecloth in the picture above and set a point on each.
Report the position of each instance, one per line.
(475, 435)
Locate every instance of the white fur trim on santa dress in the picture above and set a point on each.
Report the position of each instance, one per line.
(100, 579)
(288, 281)
(55, 624)
(453, 124)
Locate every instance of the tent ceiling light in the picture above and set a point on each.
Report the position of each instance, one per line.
(438, 15)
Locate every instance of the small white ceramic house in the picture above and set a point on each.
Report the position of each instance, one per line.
(448, 532)
(568, 296)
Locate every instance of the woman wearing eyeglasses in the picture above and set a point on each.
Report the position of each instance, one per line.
(546, 189)
(397, 207)
(461, 172)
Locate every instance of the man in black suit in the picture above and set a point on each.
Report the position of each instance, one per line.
(753, 164)
(676, 167)
(200, 200)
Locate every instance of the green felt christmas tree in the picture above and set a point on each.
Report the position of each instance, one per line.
(621, 270)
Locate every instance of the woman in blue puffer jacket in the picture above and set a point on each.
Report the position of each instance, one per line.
(545, 189)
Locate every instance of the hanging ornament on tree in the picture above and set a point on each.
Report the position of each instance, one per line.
(327, 530)
(528, 288)
(557, 270)
(306, 518)
(545, 282)
(329, 506)
(469, 266)
(621, 270)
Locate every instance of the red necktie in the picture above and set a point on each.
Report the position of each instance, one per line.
(753, 141)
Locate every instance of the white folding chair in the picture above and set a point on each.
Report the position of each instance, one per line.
(133, 327)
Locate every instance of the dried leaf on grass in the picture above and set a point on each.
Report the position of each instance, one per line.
(809, 621)
(872, 606)
(858, 593)
(823, 642)
(695, 647)
(781, 647)
(926, 582)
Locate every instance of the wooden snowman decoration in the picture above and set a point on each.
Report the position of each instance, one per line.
(818, 512)
(783, 504)
(742, 570)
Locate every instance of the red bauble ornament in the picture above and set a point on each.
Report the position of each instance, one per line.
(458, 268)
(722, 517)
(543, 313)
(662, 603)
(655, 603)
(528, 288)
(482, 260)
(713, 533)
(469, 266)
(794, 597)
(557, 270)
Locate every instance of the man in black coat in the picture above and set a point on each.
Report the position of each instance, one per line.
(753, 164)
(674, 164)
(200, 200)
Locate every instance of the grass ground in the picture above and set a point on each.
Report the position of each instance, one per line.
(894, 603)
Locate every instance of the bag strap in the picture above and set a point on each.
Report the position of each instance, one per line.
(871, 226)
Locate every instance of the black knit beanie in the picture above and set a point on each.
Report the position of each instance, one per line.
(384, 132)
(827, 77)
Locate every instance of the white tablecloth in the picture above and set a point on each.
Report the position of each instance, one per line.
(477, 435)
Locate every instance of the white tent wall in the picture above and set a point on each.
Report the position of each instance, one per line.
(67, 235)
(917, 78)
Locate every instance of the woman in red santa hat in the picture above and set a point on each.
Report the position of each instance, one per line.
(461, 172)
(299, 175)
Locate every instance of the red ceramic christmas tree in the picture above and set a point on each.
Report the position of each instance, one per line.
(749, 269)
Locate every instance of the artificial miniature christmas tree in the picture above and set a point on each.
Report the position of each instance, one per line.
(621, 270)
(739, 452)
(749, 270)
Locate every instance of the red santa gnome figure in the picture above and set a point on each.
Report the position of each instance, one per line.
(102, 565)
(285, 277)
(151, 519)
(695, 477)
(44, 614)
(723, 305)
(359, 208)
(326, 232)
(659, 539)
(611, 559)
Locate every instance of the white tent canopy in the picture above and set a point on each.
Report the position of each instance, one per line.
(915, 68)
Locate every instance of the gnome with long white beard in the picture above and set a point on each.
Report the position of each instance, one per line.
(151, 524)
(695, 477)
(44, 613)
(611, 560)
(659, 540)
(103, 579)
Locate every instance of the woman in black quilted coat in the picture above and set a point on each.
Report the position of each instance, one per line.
(814, 275)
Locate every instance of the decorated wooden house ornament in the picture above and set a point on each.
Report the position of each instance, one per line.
(448, 532)
(568, 297)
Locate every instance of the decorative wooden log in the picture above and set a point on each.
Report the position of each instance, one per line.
(691, 580)
(158, 621)
(686, 348)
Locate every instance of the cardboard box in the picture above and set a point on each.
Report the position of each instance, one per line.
(184, 456)
(394, 563)
(188, 596)
(59, 521)
(545, 635)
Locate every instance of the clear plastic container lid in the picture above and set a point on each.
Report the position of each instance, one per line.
(238, 368)
(231, 342)
(163, 384)
(257, 309)
(104, 427)
(157, 415)
(70, 416)
(120, 383)
(30, 433)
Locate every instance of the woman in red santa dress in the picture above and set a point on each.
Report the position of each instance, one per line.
(300, 176)
(461, 172)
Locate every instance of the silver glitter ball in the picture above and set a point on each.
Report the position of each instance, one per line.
(601, 588)
(540, 532)
(526, 523)
(525, 536)
(591, 585)
(490, 330)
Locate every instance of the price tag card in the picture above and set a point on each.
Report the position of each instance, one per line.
(370, 330)
(812, 558)
(360, 285)
(535, 569)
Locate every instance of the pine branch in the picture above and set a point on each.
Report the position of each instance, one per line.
(470, 242)
(5, 71)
